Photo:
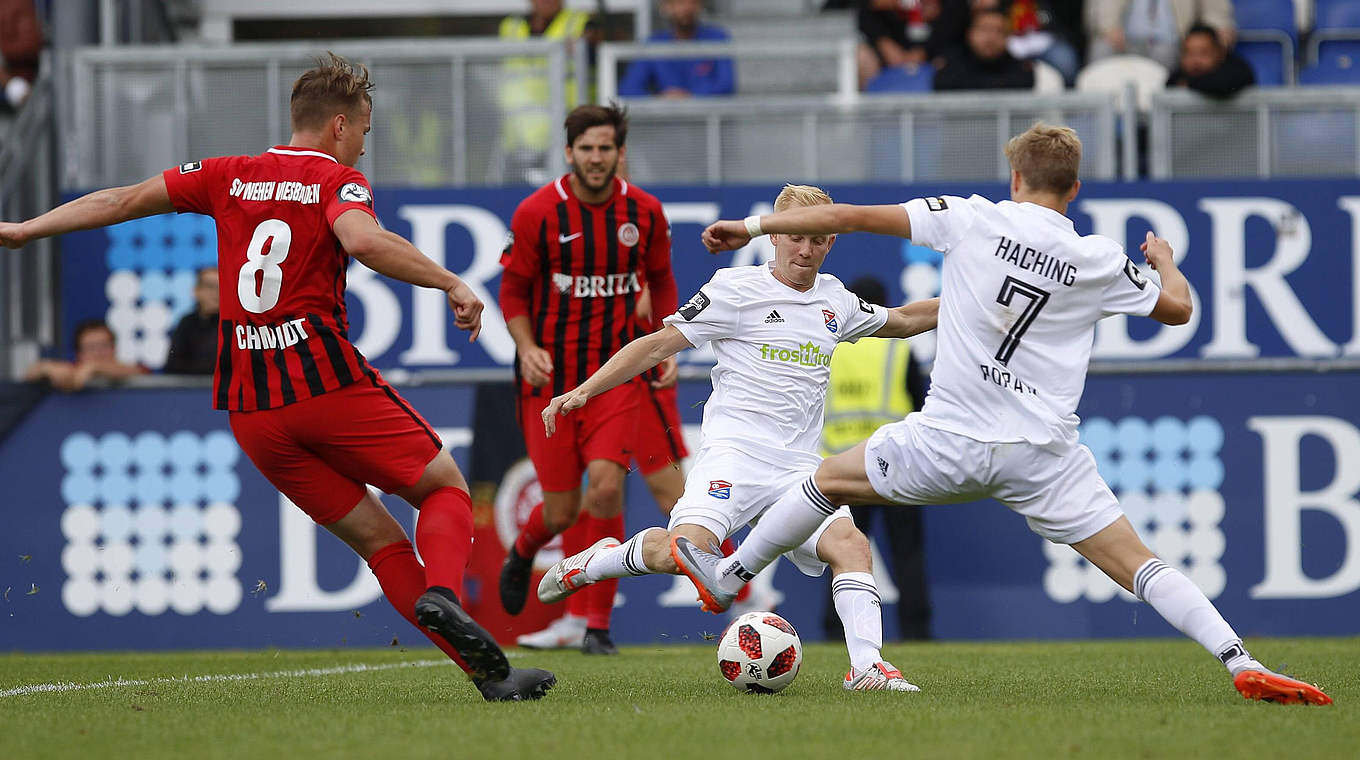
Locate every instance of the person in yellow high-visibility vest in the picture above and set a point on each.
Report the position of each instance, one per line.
(524, 90)
(875, 382)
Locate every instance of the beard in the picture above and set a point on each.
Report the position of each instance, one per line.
(606, 182)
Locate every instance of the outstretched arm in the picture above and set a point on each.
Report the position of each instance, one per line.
(631, 360)
(910, 319)
(729, 235)
(98, 209)
(391, 254)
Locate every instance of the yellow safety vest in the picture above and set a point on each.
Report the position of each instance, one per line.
(525, 91)
(868, 390)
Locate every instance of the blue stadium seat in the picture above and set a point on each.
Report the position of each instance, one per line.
(1272, 60)
(1338, 62)
(1266, 14)
(903, 79)
(1336, 14)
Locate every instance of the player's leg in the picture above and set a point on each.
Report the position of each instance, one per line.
(839, 544)
(666, 486)
(1065, 500)
(1120, 554)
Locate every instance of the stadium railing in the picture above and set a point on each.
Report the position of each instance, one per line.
(787, 67)
(1278, 132)
(131, 111)
(878, 138)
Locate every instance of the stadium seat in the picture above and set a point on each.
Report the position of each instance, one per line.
(1271, 59)
(1337, 61)
(908, 78)
(1047, 80)
(1336, 14)
(1275, 15)
(1113, 74)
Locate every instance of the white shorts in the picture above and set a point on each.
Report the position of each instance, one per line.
(727, 488)
(1061, 495)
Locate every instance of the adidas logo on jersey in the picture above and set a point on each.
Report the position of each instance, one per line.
(773, 318)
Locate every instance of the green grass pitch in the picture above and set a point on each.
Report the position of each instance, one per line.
(1143, 699)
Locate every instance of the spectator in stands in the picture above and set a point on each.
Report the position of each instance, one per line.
(984, 63)
(96, 356)
(524, 92)
(20, 45)
(676, 78)
(1045, 30)
(893, 33)
(1153, 28)
(193, 346)
(1208, 67)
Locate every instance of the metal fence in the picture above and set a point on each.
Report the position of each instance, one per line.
(470, 112)
(881, 138)
(1286, 132)
(763, 67)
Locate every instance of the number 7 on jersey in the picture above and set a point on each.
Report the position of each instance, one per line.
(1037, 298)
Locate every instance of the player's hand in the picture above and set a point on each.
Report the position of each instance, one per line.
(12, 234)
(535, 365)
(562, 405)
(1157, 251)
(467, 309)
(725, 235)
(669, 373)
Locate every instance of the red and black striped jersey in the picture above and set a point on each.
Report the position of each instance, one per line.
(576, 270)
(283, 329)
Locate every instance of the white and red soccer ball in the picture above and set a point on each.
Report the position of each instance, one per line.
(760, 652)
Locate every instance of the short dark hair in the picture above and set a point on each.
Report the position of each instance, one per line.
(582, 118)
(1202, 28)
(334, 86)
(198, 279)
(88, 326)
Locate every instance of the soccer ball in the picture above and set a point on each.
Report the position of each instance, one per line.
(760, 652)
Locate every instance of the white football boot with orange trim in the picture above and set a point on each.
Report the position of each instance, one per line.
(881, 677)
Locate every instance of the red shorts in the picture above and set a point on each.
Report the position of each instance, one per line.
(604, 428)
(660, 439)
(321, 451)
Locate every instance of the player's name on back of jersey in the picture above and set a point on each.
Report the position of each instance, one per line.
(1052, 267)
(273, 190)
(283, 335)
(1007, 380)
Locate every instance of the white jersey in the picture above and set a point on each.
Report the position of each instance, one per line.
(1020, 298)
(773, 346)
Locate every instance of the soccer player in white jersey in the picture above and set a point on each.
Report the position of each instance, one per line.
(1020, 297)
(773, 328)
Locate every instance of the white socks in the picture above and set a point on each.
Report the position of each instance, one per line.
(1190, 611)
(619, 561)
(785, 526)
(861, 613)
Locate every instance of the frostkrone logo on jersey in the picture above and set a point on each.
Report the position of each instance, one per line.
(807, 355)
(251, 337)
(596, 286)
(271, 190)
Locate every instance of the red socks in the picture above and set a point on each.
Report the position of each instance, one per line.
(575, 539)
(403, 581)
(599, 598)
(444, 535)
(534, 535)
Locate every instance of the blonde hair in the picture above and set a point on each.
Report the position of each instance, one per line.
(333, 86)
(800, 195)
(1046, 157)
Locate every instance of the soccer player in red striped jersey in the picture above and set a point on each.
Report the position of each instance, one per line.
(304, 404)
(581, 249)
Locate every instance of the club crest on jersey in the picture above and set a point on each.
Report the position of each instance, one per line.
(562, 282)
(830, 317)
(720, 489)
(694, 305)
(628, 234)
(189, 167)
(353, 192)
(936, 203)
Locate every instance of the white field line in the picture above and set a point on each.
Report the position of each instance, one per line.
(65, 686)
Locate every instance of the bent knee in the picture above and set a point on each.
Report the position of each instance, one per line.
(845, 548)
